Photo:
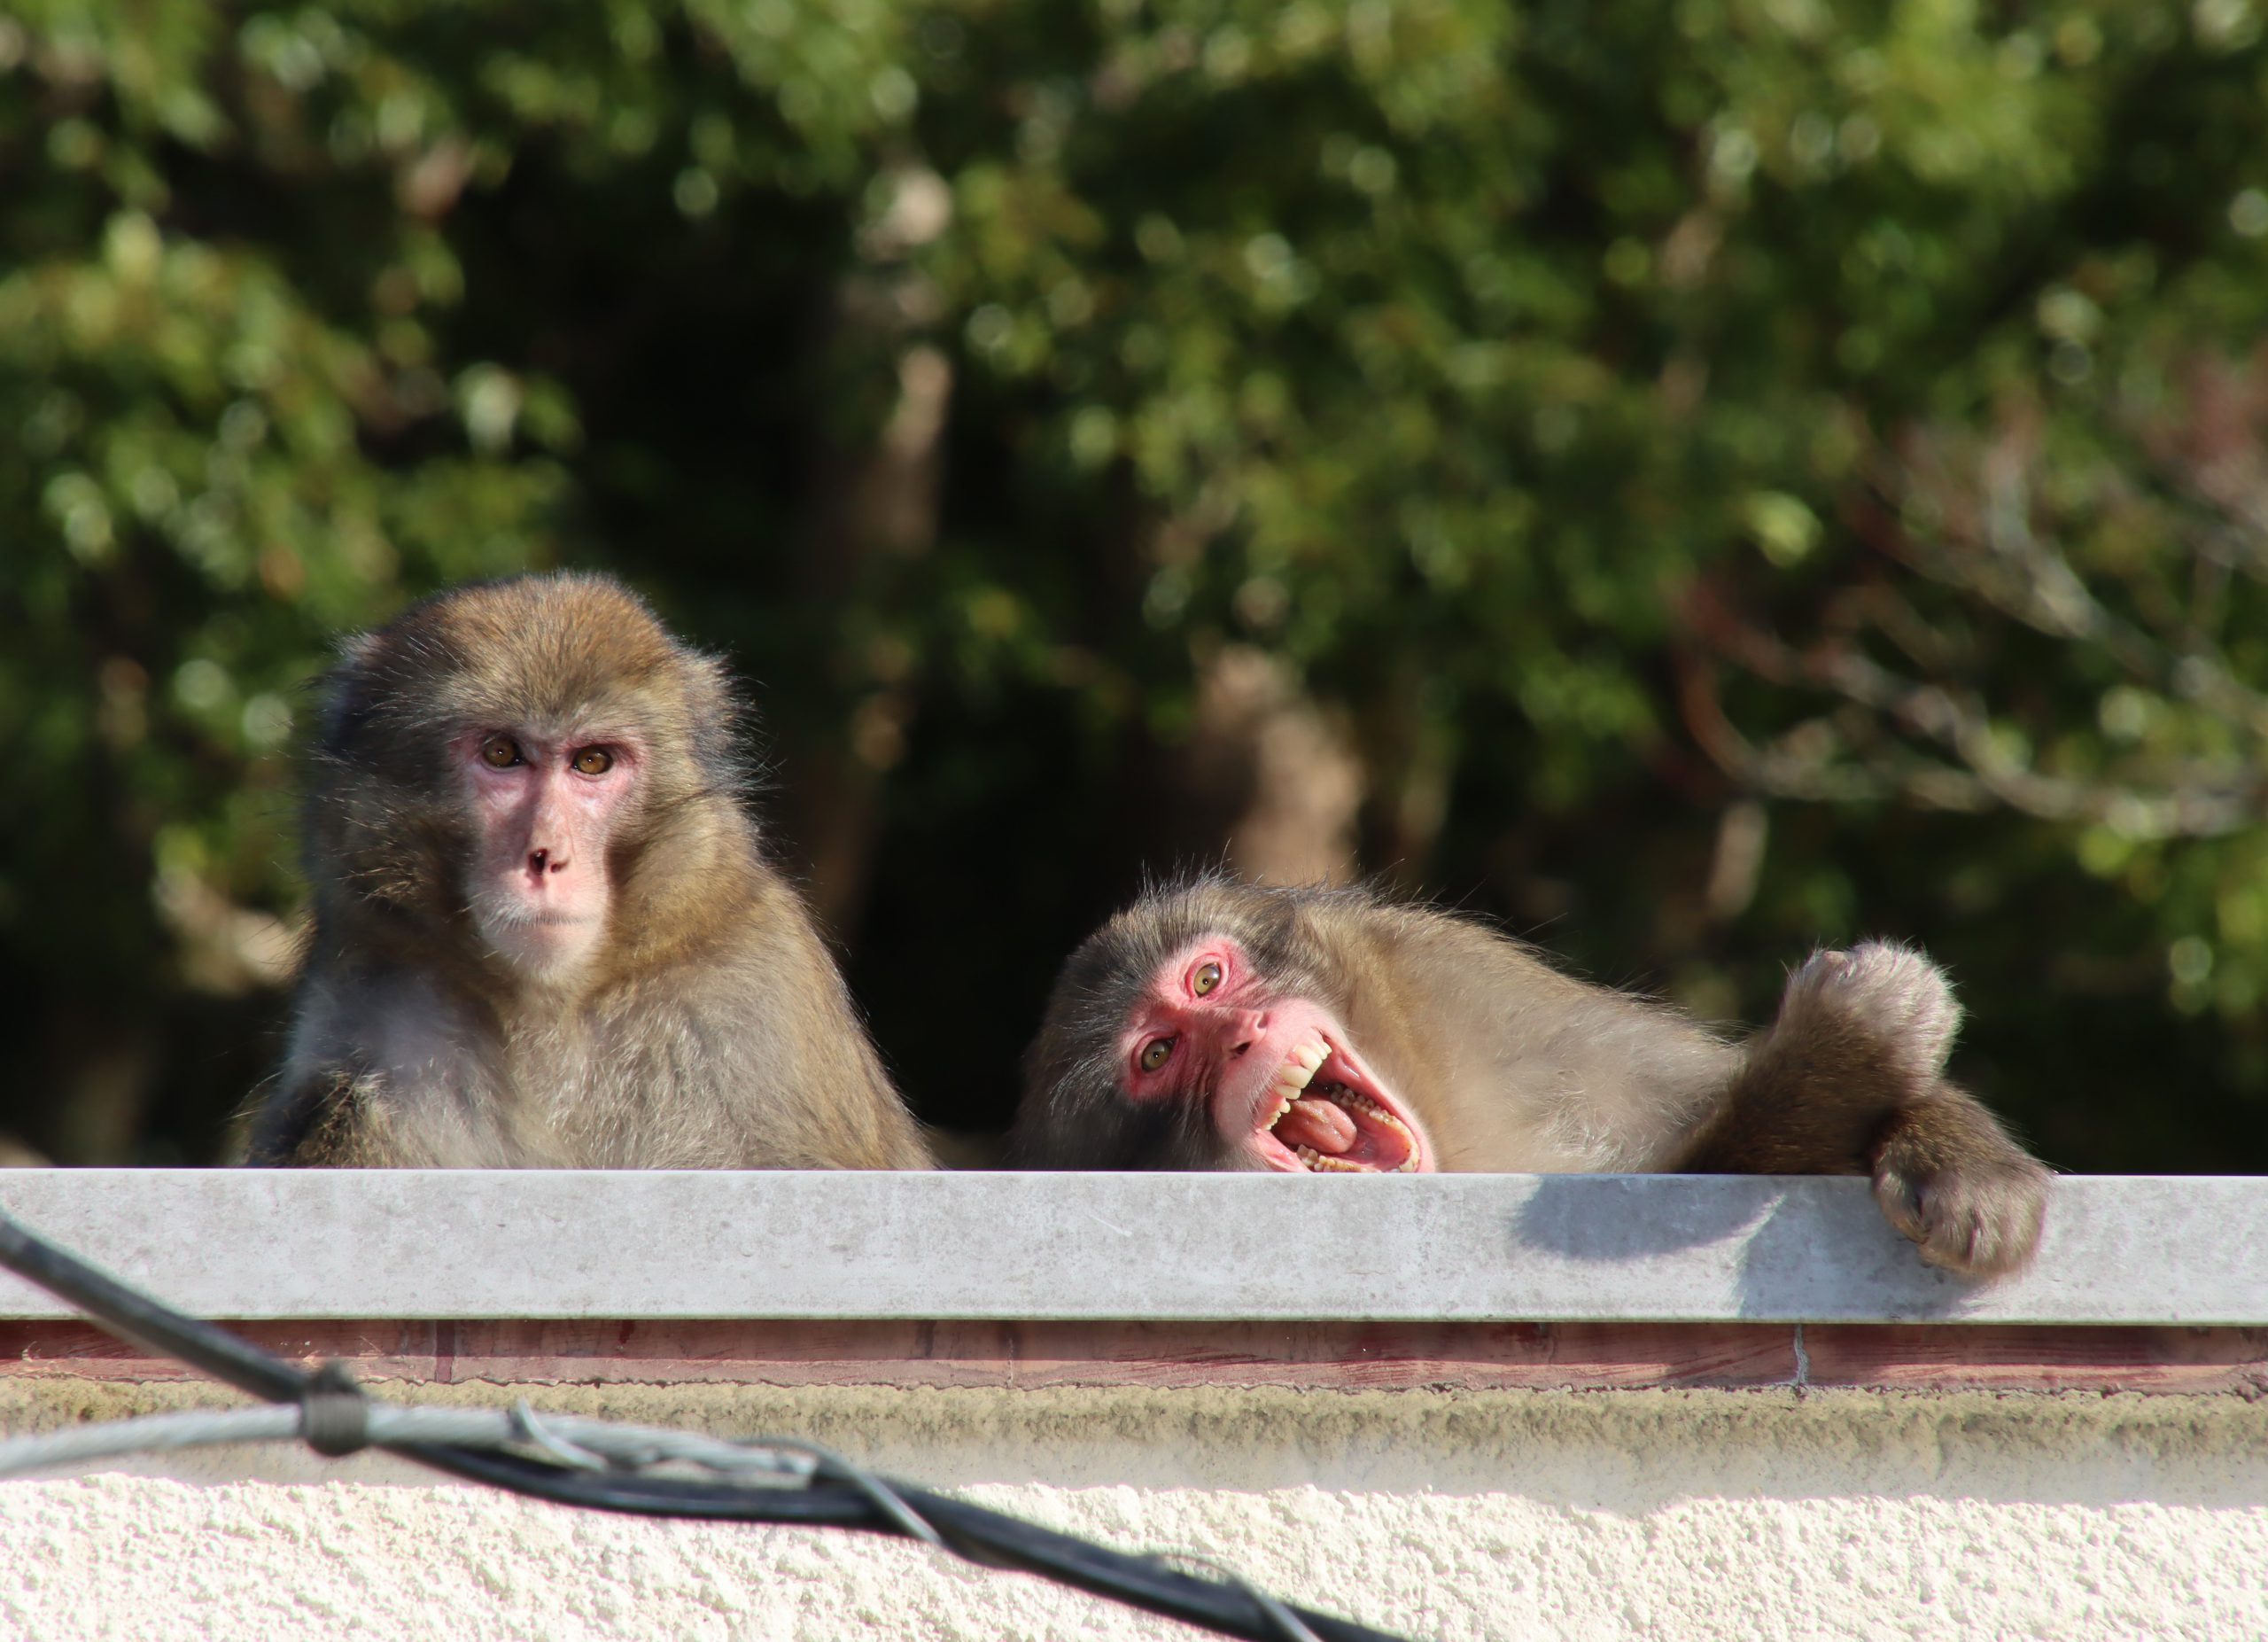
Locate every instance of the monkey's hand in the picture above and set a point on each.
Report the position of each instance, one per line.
(1969, 1197)
(1880, 1010)
(1860, 1035)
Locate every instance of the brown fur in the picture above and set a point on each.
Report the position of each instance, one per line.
(1511, 1066)
(709, 1029)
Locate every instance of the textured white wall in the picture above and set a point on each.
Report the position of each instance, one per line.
(1603, 1514)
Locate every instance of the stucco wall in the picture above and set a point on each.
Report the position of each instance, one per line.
(1093, 1352)
(1735, 1515)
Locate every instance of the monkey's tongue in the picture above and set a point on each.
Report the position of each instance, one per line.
(1315, 1121)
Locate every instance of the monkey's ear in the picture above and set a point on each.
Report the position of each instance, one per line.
(345, 691)
(713, 703)
(359, 651)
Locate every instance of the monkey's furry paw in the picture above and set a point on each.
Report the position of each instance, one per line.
(1980, 1220)
(1887, 997)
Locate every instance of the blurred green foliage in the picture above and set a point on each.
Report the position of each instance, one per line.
(1738, 474)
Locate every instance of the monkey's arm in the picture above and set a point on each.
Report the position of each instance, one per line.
(1849, 1080)
(822, 1100)
(328, 1120)
(344, 1117)
(788, 1077)
(377, 1076)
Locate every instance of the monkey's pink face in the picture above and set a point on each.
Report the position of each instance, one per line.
(1283, 1086)
(544, 808)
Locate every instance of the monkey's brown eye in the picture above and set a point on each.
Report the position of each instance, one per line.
(593, 761)
(501, 752)
(1156, 1053)
(1208, 976)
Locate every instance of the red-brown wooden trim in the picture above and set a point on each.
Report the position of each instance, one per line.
(1335, 1355)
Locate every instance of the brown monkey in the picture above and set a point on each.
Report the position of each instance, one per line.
(544, 932)
(1219, 1025)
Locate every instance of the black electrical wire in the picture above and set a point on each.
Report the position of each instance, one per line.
(982, 1535)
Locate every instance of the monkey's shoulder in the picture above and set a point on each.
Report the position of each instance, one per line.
(387, 1065)
(383, 1020)
(1515, 1065)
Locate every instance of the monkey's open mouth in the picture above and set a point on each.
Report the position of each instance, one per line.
(1324, 1114)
